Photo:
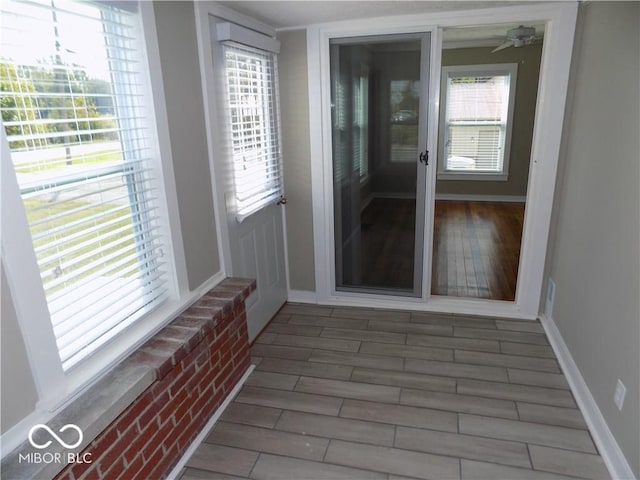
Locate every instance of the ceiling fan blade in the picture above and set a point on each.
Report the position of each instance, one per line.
(506, 44)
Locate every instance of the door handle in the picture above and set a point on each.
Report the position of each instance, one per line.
(424, 157)
(282, 201)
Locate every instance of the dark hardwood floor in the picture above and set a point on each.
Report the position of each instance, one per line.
(476, 247)
(388, 242)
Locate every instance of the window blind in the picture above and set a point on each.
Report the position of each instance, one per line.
(340, 145)
(254, 123)
(74, 109)
(481, 143)
(361, 122)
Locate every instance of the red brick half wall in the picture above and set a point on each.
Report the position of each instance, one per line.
(197, 360)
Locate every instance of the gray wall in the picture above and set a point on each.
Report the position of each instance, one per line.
(595, 239)
(19, 394)
(528, 60)
(175, 24)
(296, 153)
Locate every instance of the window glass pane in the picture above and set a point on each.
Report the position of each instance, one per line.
(474, 147)
(340, 145)
(476, 99)
(255, 146)
(476, 116)
(404, 102)
(75, 116)
(360, 132)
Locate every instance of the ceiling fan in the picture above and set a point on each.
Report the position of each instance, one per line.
(518, 37)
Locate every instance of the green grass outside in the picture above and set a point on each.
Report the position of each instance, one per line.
(40, 209)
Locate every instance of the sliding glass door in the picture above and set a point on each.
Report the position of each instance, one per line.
(378, 113)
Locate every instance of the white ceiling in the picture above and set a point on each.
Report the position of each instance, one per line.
(287, 14)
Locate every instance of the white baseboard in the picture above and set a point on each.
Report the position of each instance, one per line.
(449, 196)
(481, 198)
(390, 195)
(174, 474)
(302, 296)
(607, 445)
(396, 195)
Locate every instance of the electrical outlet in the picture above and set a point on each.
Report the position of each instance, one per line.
(618, 396)
(551, 296)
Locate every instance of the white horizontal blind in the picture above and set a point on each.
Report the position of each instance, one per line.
(404, 99)
(361, 122)
(357, 126)
(254, 120)
(73, 106)
(476, 117)
(340, 132)
(481, 143)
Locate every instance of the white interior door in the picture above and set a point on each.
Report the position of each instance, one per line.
(248, 167)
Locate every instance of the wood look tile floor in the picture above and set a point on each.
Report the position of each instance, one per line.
(341, 393)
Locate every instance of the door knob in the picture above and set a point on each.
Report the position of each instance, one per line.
(424, 157)
(282, 201)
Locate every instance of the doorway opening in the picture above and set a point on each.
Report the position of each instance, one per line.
(488, 95)
(559, 26)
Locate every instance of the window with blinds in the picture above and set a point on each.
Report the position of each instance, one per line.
(360, 132)
(74, 109)
(478, 109)
(251, 87)
(340, 132)
(404, 103)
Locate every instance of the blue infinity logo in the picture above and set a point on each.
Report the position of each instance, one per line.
(41, 426)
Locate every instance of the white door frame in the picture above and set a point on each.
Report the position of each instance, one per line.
(212, 108)
(560, 21)
(221, 178)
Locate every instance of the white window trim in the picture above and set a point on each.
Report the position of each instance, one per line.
(510, 69)
(56, 388)
(27, 291)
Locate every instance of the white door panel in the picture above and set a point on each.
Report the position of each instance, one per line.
(248, 255)
(260, 254)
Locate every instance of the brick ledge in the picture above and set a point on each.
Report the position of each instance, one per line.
(101, 404)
